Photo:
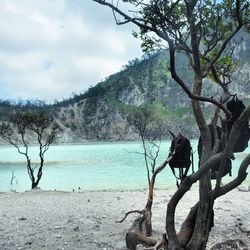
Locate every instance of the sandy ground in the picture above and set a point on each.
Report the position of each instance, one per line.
(86, 220)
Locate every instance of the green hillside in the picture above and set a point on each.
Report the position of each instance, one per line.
(99, 112)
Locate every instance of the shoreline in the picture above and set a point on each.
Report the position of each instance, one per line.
(86, 220)
(144, 188)
(92, 168)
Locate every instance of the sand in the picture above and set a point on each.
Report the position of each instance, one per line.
(54, 220)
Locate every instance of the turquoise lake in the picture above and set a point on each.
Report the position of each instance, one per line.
(91, 166)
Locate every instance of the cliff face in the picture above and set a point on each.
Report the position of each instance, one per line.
(98, 114)
(100, 117)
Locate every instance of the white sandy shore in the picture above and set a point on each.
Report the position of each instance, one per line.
(61, 220)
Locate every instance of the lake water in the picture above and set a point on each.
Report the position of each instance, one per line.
(93, 166)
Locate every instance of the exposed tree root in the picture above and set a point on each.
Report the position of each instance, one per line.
(161, 243)
(135, 238)
(137, 234)
(141, 224)
(128, 213)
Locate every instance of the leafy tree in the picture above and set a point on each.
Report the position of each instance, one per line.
(18, 130)
(205, 31)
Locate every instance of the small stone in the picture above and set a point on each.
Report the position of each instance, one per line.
(244, 188)
(88, 200)
(28, 243)
(57, 228)
(22, 218)
(58, 236)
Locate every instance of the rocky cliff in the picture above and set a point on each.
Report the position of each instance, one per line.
(98, 113)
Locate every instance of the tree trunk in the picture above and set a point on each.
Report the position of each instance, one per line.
(148, 207)
(203, 222)
(187, 227)
(39, 174)
(141, 229)
(34, 184)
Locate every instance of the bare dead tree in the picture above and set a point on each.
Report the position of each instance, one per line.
(149, 128)
(16, 130)
(204, 31)
(13, 177)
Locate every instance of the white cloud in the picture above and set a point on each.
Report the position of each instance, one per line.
(51, 48)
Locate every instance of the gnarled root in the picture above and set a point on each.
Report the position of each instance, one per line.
(141, 229)
(137, 234)
(143, 222)
(130, 212)
(161, 243)
(135, 238)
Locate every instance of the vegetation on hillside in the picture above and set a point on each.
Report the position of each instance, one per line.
(141, 81)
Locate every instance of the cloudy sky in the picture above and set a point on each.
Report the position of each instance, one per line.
(52, 48)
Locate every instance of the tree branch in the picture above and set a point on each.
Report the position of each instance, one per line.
(137, 21)
(128, 213)
(184, 86)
